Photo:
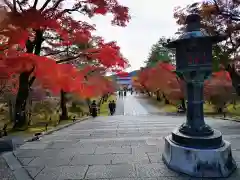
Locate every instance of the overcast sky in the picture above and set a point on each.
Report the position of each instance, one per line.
(151, 19)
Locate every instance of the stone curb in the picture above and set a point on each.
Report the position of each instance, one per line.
(58, 128)
(18, 171)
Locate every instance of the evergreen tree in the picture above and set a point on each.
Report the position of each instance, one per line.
(160, 53)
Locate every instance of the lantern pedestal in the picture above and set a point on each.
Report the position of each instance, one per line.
(195, 148)
(199, 162)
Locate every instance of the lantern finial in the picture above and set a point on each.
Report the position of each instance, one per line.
(193, 22)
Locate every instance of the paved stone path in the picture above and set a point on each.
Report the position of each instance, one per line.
(119, 107)
(5, 171)
(132, 107)
(120, 147)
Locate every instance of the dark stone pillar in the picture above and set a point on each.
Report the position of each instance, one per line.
(195, 117)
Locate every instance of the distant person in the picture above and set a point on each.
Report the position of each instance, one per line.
(110, 107)
(94, 109)
(114, 106)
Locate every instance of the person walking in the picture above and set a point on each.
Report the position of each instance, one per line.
(110, 107)
(114, 106)
(94, 109)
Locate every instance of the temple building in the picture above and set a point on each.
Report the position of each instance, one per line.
(125, 80)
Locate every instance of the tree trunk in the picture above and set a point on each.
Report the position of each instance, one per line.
(74, 105)
(148, 93)
(158, 96)
(21, 100)
(219, 110)
(11, 110)
(89, 104)
(166, 100)
(63, 104)
(183, 105)
(25, 82)
(235, 79)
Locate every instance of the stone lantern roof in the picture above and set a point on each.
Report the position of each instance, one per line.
(193, 34)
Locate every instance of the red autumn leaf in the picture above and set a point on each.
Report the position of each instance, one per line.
(123, 74)
(35, 25)
(101, 10)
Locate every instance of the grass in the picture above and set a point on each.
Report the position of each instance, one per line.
(104, 111)
(156, 103)
(39, 122)
(169, 108)
(30, 131)
(208, 109)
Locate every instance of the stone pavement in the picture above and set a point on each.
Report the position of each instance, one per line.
(119, 107)
(5, 171)
(120, 147)
(133, 107)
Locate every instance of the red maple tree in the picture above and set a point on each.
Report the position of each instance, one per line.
(219, 90)
(27, 25)
(162, 80)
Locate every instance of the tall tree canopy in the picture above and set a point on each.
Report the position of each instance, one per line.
(159, 53)
(28, 29)
(219, 17)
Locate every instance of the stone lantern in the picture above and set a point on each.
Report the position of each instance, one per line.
(195, 148)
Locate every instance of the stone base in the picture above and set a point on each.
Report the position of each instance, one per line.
(199, 162)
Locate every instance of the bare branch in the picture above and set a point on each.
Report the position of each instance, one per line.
(54, 53)
(14, 5)
(20, 6)
(226, 14)
(45, 5)
(55, 6)
(10, 5)
(68, 59)
(35, 4)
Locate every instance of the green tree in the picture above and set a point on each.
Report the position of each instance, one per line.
(160, 53)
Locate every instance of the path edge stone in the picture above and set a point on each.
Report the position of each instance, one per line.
(15, 166)
(17, 169)
(58, 128)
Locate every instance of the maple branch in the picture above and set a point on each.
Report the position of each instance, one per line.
(32, 78)
(54, 53)
(9, 5)
(232, 16)
(71, 58)
(35, 4)
(68, 59)
(14, 5)
(19, 4)
(31, 81)
(55, 6)
(45, 5)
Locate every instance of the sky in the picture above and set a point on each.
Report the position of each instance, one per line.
(151, 19)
